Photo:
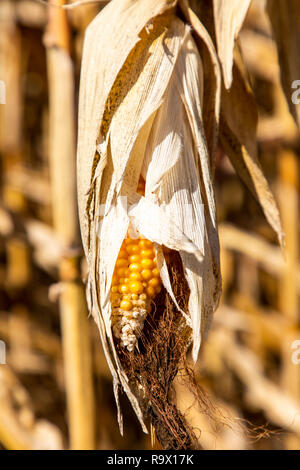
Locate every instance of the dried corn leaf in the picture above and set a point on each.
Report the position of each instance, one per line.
(238, 138)
(229, 17)
(285, 20)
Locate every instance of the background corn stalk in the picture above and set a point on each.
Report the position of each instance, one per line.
(258, 320)
(73, 311)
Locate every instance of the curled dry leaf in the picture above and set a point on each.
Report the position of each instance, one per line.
(285, 20)
(238, 138)
(140, 117)
(229, 17)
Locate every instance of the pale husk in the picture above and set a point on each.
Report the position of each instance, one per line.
(212, 77)
(104, 54)
(229, 17)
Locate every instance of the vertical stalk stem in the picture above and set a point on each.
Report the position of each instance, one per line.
(73, 309)
(288, 289)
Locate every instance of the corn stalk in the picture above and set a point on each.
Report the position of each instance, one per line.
(73, 311)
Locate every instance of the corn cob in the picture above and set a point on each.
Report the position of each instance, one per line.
(135, 283)
(141, 113)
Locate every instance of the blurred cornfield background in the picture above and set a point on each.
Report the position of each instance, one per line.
(55, 388)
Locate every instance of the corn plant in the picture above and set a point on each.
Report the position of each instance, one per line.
(161, 82)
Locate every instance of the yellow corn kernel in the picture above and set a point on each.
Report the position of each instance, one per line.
(134, 259)
(135, 267)
(132, 249)
(135, 276)
(145, 244)
(146, 263)
(126, 297)
(147, 253)
(136, 287)
(121, 272)
(146, 274)
(114, 296)
(154, 282)
(126, 305)
(129, 241)
(121, 263)
(123, 289)
(155, 272)
(150, 291)
(122, 254)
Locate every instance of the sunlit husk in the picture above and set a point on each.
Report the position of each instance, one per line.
(229, 17)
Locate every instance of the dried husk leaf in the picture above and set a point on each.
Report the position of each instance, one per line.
(229, 17)
(174, 172)
(238, 138)
(116, 221)
(285, 20)
(104, 54)
(212, 77)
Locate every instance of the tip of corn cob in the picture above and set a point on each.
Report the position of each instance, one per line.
(136, 281)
